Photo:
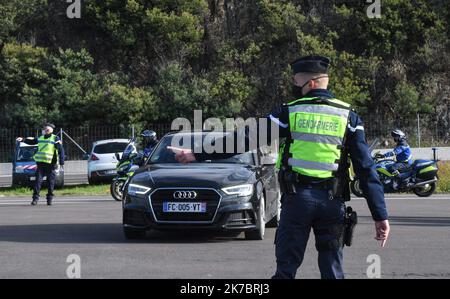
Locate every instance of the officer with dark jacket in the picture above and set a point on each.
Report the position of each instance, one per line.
(50, 152)
(149, 141)
(321, 132)
(403, 157)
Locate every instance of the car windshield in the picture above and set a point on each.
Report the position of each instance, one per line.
(25, 154)
(110, 148)
(162, 155)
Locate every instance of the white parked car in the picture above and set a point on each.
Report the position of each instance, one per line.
(102, 160)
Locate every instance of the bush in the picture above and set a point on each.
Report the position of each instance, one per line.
(443, 185)
(228, 58)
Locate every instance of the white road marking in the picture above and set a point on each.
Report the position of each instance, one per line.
(56, 201)
(8, 201)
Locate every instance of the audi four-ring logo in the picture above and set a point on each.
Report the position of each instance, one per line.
(184, 194)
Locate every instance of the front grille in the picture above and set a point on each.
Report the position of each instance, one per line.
(210, 196)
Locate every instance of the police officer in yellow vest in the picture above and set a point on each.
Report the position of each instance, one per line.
(49, 153)
(321, 133)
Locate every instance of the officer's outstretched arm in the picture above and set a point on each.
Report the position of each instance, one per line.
(28, 140)
(242, 140)
(365, 169)
(182, 155)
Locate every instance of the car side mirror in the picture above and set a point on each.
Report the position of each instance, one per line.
(117, 156)
(268, 160)
(85, 156)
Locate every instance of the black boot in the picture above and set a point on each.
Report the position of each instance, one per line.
(34, 202)
(49, 199)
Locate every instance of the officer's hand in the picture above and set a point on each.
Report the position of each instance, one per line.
(19, 139)
(182, 155)
(382, 229)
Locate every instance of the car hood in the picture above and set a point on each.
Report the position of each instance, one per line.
(194, 175)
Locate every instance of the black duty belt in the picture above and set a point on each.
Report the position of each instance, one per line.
(312, 183)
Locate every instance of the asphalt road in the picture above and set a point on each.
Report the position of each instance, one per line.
(36, 241)
(69, 179)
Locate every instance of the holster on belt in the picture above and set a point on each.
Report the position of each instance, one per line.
(288, 180)
(350, 221)
(340, 187)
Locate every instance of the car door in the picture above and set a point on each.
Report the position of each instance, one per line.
(16, 150)
(270, 183)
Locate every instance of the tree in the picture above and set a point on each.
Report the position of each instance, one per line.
(146, 61)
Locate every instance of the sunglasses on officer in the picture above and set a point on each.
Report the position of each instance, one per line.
(306, 83)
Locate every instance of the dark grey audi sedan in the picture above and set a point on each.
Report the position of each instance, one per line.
(236, 194)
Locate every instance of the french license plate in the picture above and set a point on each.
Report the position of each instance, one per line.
(184, 207)
(111, 171)
(33, 178)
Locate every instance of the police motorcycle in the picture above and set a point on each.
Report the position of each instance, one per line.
(129, 162)
(421, 177)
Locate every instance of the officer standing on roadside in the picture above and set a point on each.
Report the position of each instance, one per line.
(49, 153)
(320, 134)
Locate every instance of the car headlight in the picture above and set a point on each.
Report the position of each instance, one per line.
(241, 190)
(134, 189)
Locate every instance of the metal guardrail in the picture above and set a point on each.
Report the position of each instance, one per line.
(76, 141)
(422, 131)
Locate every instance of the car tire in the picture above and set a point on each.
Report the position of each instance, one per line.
(275, 221)
(134, 234)
(114, 189)
(91, 181)
(258, 233)
(425, 192)
(15, 182)
(356, 189)
(59, 183)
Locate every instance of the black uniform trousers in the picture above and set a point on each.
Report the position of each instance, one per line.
(301, 212)
(48, 170)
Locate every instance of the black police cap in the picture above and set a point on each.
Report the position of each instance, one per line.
(50, 125)
(311, 64)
